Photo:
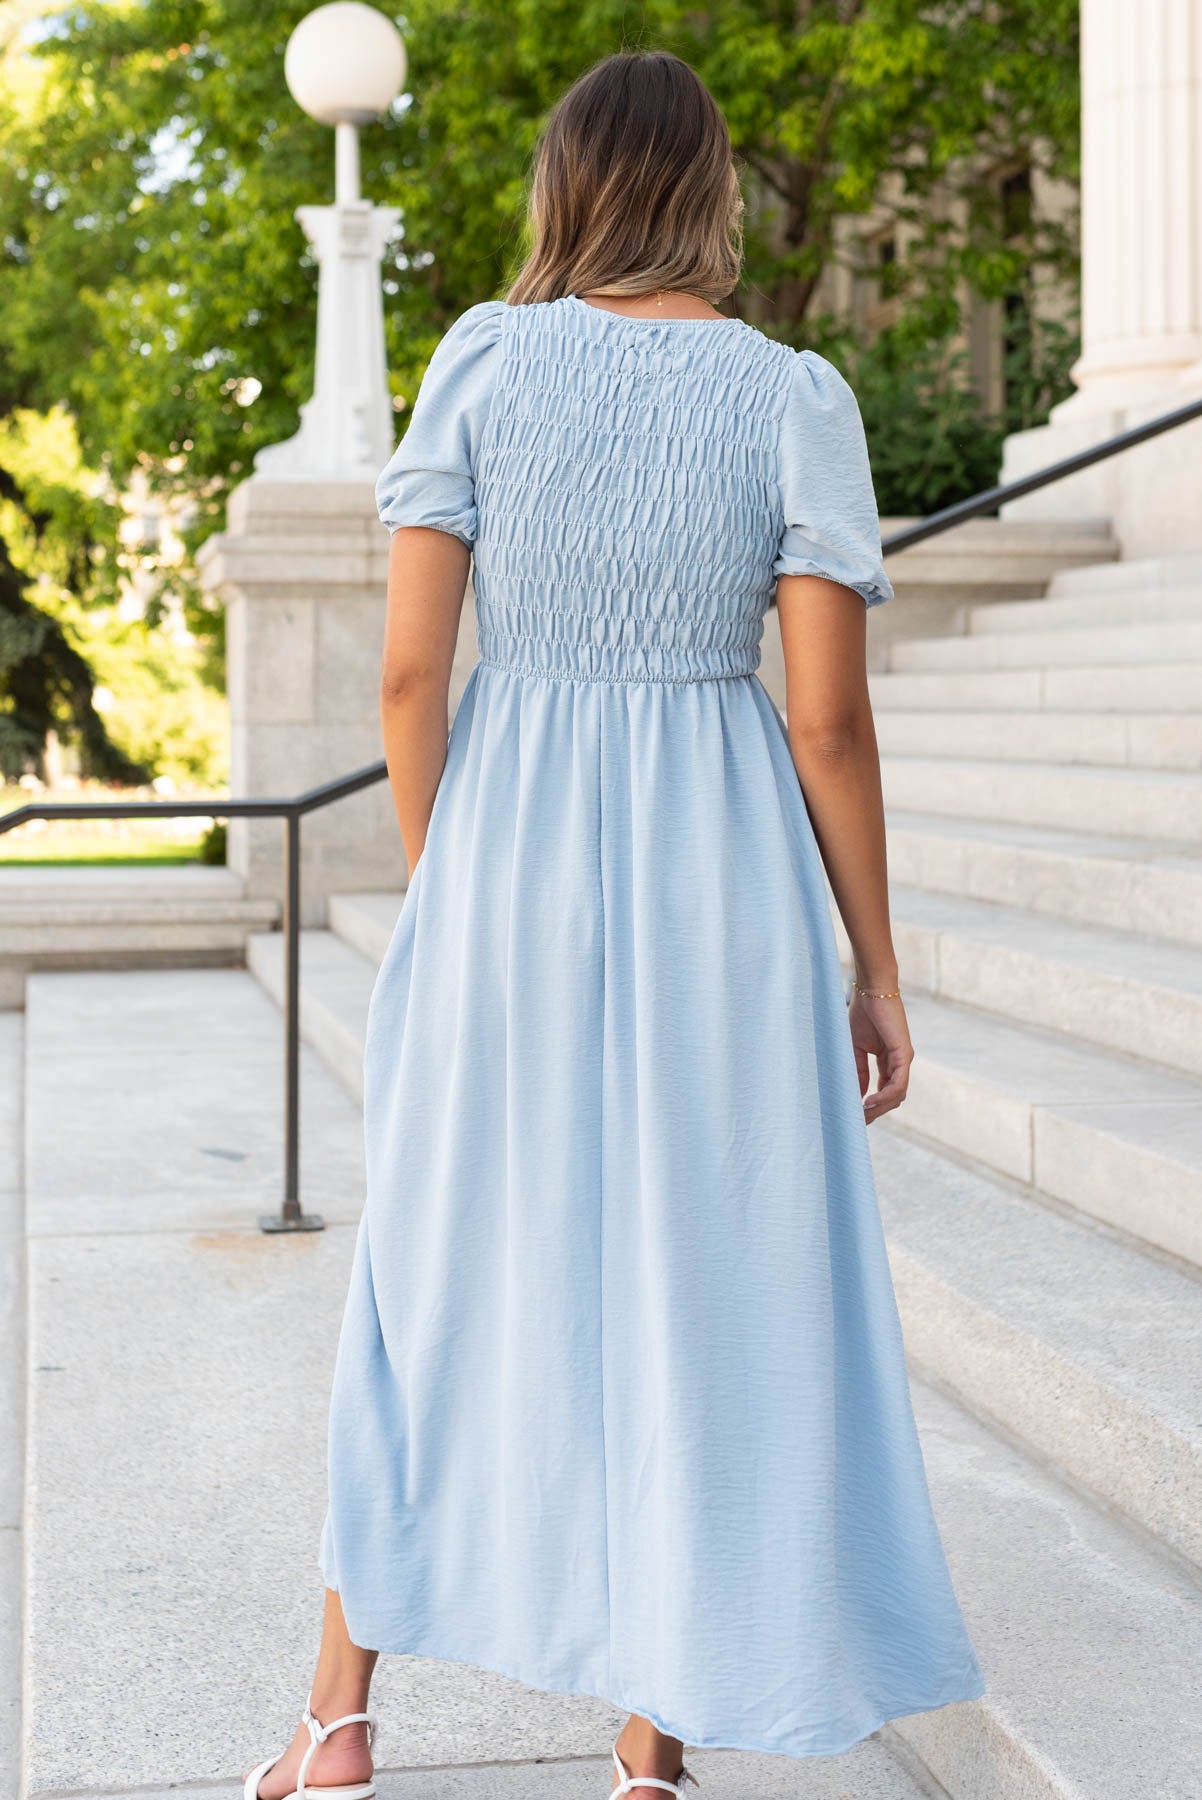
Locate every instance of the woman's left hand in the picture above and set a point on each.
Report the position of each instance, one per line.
(879, 1030)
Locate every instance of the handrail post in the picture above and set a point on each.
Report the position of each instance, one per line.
(291, 1217)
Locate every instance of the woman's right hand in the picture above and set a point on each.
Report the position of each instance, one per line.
(879, 1030)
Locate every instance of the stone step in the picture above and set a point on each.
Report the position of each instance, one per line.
(64, 918)
(1138, 803)
(143, 1084)
(1075, 1342)
(981, 561)
(1121, 884)
(336, 986)
(877, 1770)
(365, 921)
(1114, 646)
(1108, 988)
(104, 884)
(1091, 607)
(1171, 741)
(1148, 687)
(995, 558)
(1118, 1140)
(1145, 575)
(1091, 1642)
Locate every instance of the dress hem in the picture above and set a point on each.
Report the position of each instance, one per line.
(970, 1687)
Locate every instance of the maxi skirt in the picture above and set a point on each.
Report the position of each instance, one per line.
(620, 1405)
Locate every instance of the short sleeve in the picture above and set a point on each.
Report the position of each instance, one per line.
(430, 479)
(830, 515)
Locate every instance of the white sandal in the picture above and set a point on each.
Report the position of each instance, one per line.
(627, 1783)
(318, 1733)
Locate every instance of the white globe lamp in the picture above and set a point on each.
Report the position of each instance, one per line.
(345, 65)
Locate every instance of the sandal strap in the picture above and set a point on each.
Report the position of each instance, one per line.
(627, 1783)
(323, 1731)
(318, 1733)
(250, 1787)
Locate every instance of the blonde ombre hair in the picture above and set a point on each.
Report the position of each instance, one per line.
(634, 187)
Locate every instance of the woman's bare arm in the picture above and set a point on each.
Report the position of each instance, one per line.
(833, 742)
(427, 578)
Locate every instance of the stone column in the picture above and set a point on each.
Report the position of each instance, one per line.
(1141, 75)
(1141, 145)
(302, 571)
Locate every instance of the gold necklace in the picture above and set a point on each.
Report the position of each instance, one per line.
(687, 292)
(659, 296)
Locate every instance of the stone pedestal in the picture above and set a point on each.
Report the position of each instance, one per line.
(1141, 74)
(302, 572)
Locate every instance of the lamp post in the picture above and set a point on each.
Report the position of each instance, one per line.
(302, 564)
(345, 65)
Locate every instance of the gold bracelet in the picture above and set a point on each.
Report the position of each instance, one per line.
(893, 994)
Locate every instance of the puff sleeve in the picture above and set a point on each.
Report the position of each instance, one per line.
(430, 479)
(829, 507)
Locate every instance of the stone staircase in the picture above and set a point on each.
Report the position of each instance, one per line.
(1043, 1198)
(64, 917)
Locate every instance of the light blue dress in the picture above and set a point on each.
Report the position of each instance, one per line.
(620, 1405)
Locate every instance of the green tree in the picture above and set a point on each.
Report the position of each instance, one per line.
(932, 441)
(57, 541)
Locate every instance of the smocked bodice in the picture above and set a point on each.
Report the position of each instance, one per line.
(628, 501)
(632, 488)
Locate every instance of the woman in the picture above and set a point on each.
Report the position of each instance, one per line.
(620, 1405)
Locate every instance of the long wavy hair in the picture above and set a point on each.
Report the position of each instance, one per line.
(634, 187)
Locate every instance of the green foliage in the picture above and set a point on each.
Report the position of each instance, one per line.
(57, 541)
(931, 440)
(61, 631)
(158, 708)
(213, 845)
(147, 200)
(1037, 369)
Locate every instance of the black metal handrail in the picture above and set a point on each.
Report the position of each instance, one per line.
(291, 1217)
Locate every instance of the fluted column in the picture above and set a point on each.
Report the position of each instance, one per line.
(1141, 246)
(1141, 176)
